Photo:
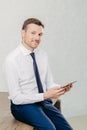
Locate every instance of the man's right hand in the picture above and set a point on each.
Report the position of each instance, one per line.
(54, 92)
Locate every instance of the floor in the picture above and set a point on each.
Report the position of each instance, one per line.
(79, 122)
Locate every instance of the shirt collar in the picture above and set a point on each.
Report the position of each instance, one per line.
(25, 50)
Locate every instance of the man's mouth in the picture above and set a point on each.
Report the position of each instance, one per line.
(35, 42)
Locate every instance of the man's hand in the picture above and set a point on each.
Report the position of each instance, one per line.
(67, 87)
(54, 92)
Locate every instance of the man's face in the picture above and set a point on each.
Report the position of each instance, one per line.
(32, 36)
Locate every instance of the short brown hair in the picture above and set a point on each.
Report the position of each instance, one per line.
(30, 21)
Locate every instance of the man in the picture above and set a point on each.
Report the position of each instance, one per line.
(30, 82)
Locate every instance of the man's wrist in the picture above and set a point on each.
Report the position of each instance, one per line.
(45, 95)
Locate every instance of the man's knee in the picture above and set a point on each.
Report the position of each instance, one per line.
(51, 128)
(48, 127)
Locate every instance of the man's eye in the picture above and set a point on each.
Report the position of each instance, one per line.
(40, 34)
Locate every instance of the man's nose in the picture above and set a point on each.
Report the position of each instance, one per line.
(37, 37)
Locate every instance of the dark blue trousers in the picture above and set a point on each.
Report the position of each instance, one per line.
(43, 116)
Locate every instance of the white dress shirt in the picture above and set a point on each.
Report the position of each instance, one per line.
(20, 75)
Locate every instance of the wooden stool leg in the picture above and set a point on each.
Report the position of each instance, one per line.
(58, 104)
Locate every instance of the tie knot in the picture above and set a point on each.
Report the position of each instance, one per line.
(33, 55)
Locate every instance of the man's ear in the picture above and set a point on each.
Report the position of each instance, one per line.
(22, 33)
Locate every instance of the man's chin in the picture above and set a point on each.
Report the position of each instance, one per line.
(35, 47)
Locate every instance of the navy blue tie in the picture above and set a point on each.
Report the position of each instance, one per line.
(37, 76)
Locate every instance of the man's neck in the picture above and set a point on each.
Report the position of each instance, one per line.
(27, 47)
